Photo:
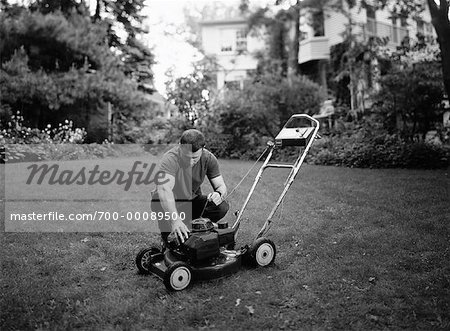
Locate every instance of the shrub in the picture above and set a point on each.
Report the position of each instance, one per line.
(409, 101)
(381, 151)
(254, 115)
(56, 67)
(19, 137)
(17, 133)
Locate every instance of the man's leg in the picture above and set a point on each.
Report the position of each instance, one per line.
(201, 207)
(164, 226)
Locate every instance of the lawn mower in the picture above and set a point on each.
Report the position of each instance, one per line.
(209, 252)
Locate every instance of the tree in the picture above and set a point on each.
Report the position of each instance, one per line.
(409, 99)
(118, 18)
(439, 11)
(191, 94)
(125, 16)
(441, 23)
(58, 66)
(270, 100)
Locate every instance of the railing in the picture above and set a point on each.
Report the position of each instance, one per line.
(375, 28)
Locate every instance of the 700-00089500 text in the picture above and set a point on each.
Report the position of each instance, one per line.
(98, 216)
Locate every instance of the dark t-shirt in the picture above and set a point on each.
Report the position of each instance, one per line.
(188, 180)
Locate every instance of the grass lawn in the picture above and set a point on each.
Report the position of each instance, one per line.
(356, 249)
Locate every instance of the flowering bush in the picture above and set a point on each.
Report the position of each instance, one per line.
(17, 133)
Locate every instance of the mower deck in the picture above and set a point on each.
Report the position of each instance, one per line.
(227, 263)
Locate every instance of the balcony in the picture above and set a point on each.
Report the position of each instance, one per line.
(375, 28)
(315, 48)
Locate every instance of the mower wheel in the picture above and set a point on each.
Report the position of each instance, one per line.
(262, 252)
(144, 258)
(178, 276)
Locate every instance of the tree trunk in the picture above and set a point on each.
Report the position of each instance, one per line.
(441, 23)
(293, 67)
(97, 11)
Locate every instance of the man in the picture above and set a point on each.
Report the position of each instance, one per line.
(180, 197)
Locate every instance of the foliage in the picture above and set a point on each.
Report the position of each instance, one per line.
(440, 18)
(366, 144)
(247, 117)
(281, 25)
(17, 133)
(57, 66)
(352, 61)
(54, 42)
(378, 151)
(256, 114)
(410, 95)
(191, 93)
(157, 131)
(271, 99)
(275, 58)
(122, 20)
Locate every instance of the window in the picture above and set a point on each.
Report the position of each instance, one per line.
(404, 21)
(232, 40)
(394, 31)
(226, 40)
(428, 28)
(233, 85)
(420, 27)
(371, 26)
(424, 28)
(241, 40)
(370, 10)
(303, 35)
(318, 24)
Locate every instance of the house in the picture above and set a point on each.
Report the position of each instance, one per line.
(163, 107)
(320, 31)
(229, 41)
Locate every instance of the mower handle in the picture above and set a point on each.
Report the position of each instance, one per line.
(314, 122)
(295, 167)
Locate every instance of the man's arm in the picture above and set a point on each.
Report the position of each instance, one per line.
(165, 192)
(220, 190)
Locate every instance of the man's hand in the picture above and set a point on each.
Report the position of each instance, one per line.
(215, 197)
(180, 229)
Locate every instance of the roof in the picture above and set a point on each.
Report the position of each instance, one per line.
(236, 20)
(156, 97)
(159, 99)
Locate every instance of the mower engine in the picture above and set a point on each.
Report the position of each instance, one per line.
(205, 240)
